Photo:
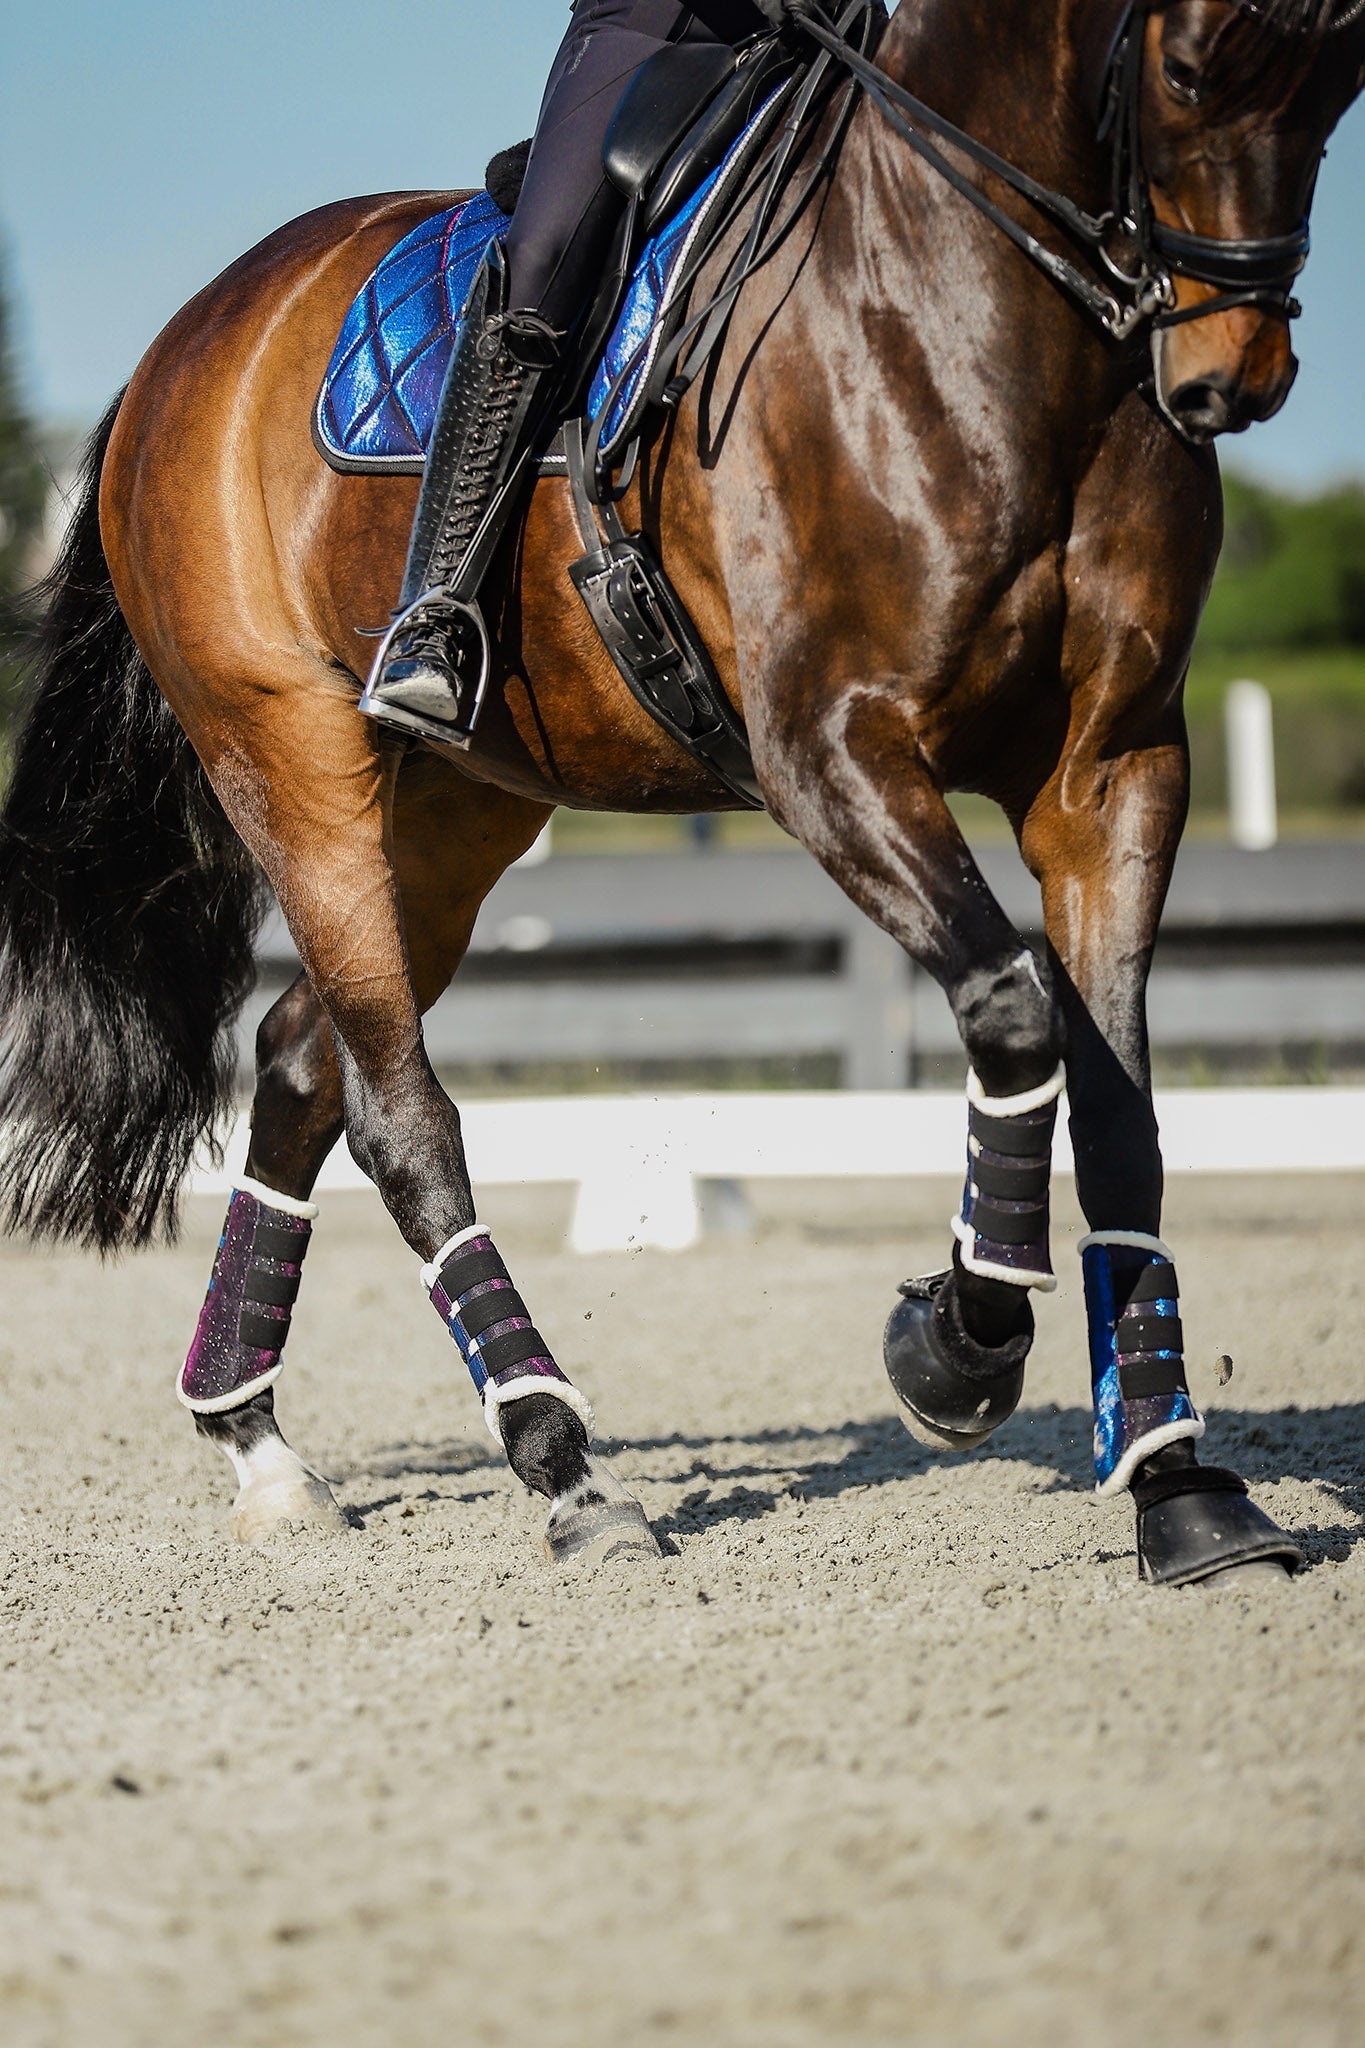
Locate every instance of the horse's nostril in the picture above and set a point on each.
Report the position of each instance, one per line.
(1202, 408)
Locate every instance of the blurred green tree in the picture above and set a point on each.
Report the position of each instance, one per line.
(1292, 572)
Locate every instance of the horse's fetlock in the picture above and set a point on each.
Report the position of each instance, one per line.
(546, 1445)
(992, 1312)
(1011, 1024)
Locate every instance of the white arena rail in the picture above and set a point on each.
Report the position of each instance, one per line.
(642, 1163)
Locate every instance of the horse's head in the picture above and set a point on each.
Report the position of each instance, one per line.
(1235, 104)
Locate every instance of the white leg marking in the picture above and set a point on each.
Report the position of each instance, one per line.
(274, 1487)
(598, 1519)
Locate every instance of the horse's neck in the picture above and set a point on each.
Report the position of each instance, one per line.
(1008, 72)
(896, 236)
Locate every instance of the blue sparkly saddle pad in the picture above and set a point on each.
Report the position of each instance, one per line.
(378, 400)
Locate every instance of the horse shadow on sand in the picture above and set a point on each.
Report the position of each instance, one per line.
(742, 1478)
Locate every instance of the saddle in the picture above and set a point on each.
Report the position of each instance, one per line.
(691, 129)
(688, 124)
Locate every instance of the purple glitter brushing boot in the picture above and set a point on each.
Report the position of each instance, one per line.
(239, 1344)
(509, 1360)
(1003, 1230)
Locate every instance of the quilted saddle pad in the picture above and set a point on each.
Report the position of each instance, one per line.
(378, 400)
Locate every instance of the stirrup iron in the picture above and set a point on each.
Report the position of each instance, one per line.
(466, 704)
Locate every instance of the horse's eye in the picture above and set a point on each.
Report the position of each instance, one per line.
(1182, 79)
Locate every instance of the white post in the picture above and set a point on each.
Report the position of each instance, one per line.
(1251, 766)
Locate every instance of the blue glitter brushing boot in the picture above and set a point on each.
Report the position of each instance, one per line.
(1137, 1362)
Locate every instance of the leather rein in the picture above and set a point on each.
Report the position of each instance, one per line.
(1141, 288)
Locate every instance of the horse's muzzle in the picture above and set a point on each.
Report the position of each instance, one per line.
(1215, 400)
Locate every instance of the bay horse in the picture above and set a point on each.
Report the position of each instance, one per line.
(941, 528)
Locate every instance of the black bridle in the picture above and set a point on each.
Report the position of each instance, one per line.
(1140, 256)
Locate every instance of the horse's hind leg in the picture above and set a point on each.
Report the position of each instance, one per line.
(381, 920)
(296, 1118)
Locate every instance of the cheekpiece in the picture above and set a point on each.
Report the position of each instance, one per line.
(1137, 1354)
(1003, 1230)
(239, 1343)
(507, 1357)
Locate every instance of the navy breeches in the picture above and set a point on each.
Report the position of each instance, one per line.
(562, 228)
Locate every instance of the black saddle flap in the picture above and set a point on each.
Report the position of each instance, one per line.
(718, 127)
(658, 107)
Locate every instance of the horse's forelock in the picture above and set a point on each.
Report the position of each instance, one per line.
(1264, 38)
(1303, 17)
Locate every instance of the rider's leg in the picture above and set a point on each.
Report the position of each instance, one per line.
(568, 208)
(505, 369)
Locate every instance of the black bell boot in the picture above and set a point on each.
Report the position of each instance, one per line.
(431, 671)
(953, 1391)
(1196, 1520)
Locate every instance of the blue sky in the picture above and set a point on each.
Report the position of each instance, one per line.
(144, 145)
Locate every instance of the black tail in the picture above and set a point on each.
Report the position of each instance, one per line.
(128, 908)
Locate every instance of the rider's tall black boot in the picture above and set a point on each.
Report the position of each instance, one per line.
(432, 668)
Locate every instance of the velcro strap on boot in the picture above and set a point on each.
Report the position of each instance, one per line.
(1003, 1230)
(1142, 1399)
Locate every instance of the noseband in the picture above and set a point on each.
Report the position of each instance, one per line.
(1140, 255)
(1258, 272)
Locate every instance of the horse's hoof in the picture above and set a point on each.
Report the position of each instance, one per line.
(953, 1392)
(1247, 1578)
(1196, 1522)
(278, 1491)
(597, 1521)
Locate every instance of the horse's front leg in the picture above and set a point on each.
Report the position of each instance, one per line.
(1102, 840)
(860, 798)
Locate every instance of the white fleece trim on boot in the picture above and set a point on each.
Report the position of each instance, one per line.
(1135, 1240)
(288, 1205)
(1189, 1428)
(986, 1269)
(1014, 1105)
(238, 1398)
(495, 1397)
(431, 1272)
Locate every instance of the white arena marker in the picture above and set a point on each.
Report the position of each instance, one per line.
(1250, 726)
(639, 1161)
